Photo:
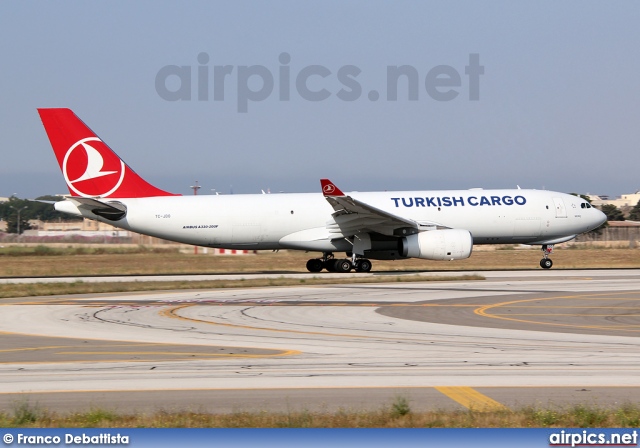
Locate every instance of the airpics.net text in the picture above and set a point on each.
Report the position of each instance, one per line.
(255, 83)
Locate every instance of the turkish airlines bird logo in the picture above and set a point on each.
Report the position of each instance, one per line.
(91, 169)
(329, 188)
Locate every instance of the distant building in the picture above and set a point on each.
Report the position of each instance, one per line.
(86, 227)
(626, 200)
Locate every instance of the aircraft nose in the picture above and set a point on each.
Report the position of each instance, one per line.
(599, 218)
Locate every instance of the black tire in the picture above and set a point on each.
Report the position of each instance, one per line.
(315, 265)
(330, 265)
(343, 265)
(546, 263)
(363, 265)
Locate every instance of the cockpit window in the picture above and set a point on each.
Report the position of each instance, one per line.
(585, 205)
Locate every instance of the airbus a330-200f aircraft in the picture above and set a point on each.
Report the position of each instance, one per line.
(433, 225)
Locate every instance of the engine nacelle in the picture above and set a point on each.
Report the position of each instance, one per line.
(447, 244)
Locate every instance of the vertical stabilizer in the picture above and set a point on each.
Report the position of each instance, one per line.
(90, 168)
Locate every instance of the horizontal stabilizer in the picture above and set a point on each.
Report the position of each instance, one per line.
(113, 211)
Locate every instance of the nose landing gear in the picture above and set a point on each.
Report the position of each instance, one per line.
(546, 262)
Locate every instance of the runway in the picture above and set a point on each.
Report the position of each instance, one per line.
(514, 339)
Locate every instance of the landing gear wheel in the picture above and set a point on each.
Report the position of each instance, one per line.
(363, 265)
(315, 265)
(546, 263)
(327, 262)
(343, 265)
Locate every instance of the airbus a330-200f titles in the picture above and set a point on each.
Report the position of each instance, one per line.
(433, 225)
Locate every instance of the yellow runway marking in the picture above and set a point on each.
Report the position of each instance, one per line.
(112, 350)
(181, 354)
(486, 310)
(173, 314)
(560, 307)
(566, 314)
(472, 399)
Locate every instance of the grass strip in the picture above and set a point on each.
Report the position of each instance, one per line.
(96, 263)
(395, 415)
(79, 287)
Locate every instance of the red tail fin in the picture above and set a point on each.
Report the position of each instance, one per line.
(89, 166)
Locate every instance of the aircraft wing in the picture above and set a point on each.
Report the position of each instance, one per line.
(352, 216)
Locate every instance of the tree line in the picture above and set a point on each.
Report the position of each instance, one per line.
(29, 209)
(615, 214)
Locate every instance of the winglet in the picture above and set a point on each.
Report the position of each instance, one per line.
(329, 188)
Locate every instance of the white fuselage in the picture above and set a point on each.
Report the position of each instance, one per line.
(303, 220)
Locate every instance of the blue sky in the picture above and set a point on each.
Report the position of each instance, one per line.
(558, 103)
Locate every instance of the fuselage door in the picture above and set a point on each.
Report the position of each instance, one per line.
(561, 211)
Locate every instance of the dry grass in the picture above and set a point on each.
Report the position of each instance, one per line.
(79, 287)
(395, 415)
(83, 264)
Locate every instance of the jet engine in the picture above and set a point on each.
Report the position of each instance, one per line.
(447, 244)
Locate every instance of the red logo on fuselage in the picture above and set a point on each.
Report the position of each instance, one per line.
(91, 169)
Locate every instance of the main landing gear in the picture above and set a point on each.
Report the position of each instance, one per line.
(332, 264)
(546, 262)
